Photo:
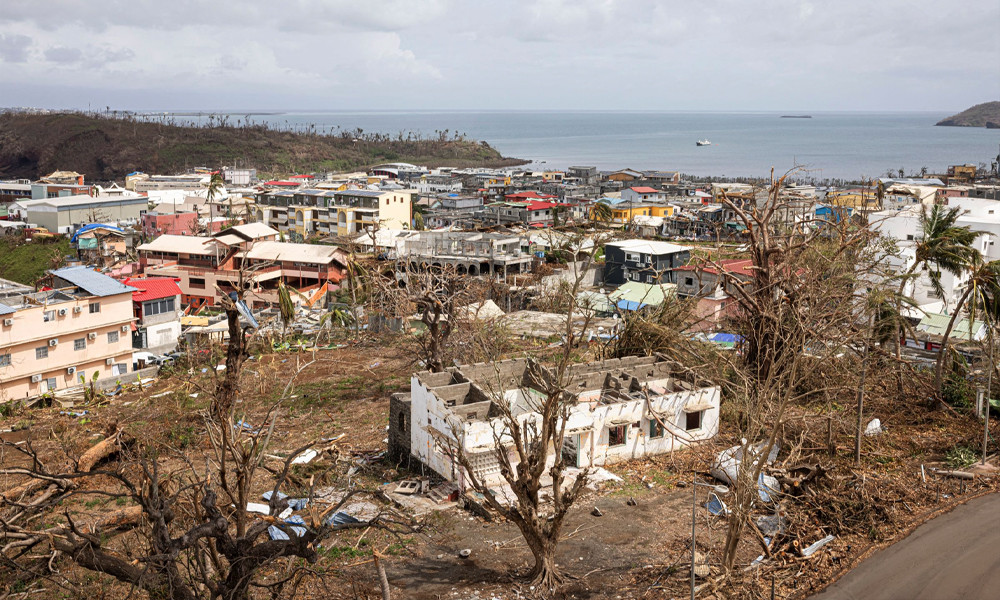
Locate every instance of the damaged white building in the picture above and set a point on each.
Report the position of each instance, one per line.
(624, 408)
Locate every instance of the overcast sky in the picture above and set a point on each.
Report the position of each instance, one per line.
(936, 55)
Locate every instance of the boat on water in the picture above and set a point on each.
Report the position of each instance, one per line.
(703, 143)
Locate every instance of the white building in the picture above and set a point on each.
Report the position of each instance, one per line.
(904, 226)
(624, 409)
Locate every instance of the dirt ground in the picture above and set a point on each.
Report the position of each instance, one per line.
(639, 551)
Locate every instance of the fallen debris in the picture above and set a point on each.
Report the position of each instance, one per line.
(810, 550)
(305, 457)
(407, 486)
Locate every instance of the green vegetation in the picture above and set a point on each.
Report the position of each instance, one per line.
(960, 457)
(25, 262)
(980, 115)
(106, 147)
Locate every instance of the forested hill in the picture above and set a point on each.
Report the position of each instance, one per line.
(106, 148)
(986, 114)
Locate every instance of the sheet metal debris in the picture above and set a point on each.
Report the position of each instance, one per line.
(810, 550)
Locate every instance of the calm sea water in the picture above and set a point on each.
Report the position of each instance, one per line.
(831, 145)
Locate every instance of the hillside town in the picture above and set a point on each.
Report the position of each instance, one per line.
(510, 347)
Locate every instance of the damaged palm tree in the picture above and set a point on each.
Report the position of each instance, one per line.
(529, 430)
(286, 307)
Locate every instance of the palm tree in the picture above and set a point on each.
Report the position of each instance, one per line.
(285, 307)
(981, 296)
(943, 246)
(601, 212)
(215, 186)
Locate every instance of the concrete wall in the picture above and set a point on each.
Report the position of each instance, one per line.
(436, 426)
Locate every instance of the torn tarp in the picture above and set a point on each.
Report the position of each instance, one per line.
(716, 507)
(340, 518)
(726, 467)
(276, 532)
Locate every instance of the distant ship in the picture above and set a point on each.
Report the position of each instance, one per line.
(703, 143)
(796, 116)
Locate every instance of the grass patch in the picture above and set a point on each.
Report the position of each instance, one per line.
(25, 262)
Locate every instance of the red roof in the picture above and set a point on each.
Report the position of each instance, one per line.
(285, 183)
(645, 190)
(528, 196)
(736, 266)
(153, 288)
(540, 205)
(301, 177)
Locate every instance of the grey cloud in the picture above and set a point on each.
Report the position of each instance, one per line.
(63, 55)
(14, 48)
(171, 15)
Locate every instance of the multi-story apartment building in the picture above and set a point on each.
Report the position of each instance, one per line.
(335, 212)
(643, 260)
(469, 252)
(55, 338)
(207, 267)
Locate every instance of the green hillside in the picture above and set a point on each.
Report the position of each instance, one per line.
(107, 148)
(986, 114)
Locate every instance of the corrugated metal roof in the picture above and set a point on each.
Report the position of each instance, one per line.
(153, 288)
(91, 281)
(6, 310)
(291, 252)
(185, 244)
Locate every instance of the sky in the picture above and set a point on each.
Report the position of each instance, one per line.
(703, 55)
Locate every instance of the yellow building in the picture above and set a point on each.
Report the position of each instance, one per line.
(622, 212)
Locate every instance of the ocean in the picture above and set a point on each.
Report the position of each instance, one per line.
(830, 145)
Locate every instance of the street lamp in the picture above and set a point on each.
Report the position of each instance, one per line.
(718, 489)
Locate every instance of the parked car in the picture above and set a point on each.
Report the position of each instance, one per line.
(147, 358)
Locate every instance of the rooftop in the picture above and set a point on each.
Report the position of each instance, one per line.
(648, 247)
(184, 244)
(300, 253)
(89, 280)
(153, 288)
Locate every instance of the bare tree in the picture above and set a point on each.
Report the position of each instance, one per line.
(194, 536)
(528, 446)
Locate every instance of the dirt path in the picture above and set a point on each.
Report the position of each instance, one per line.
(951, 557)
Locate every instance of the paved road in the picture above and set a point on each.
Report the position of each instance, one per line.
(955, 556)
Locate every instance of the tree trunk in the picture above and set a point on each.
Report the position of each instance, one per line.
(383, 580)
(938, 366)
(899, 333)
(544, 573)
(734, 533)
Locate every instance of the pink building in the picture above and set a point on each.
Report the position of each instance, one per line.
(154, 224)
(57, 337)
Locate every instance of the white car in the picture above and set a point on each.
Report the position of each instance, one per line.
(148, 358)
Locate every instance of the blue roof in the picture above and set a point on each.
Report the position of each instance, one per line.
(630, 305)
(90, 226)
(6, 310)
(91, 281)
